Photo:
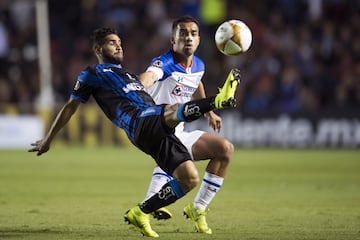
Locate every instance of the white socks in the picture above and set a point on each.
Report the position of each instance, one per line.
(209, 187)
(159, 179)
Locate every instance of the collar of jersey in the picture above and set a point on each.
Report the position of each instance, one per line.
(112, 65)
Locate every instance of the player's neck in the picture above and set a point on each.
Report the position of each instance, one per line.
(185, 61)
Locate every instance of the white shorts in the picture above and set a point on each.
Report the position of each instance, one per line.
(188, 138)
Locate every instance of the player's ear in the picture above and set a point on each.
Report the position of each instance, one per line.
(172, 39)
(97, 49)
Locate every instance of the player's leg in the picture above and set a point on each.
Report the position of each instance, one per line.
(158, 179)
(218, 149)
(206, 146)
(172, 156)
(195, 109)
(185, 178)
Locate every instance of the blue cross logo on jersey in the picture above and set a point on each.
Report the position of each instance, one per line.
(178, 89)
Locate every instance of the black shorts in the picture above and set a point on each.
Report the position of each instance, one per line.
(155, 138)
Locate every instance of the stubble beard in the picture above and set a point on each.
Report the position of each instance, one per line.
(112, 59)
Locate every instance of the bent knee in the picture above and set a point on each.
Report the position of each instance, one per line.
(190, 182)
(227, 150)
(187, 175)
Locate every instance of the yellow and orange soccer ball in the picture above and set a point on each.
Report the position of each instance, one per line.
(233, 37)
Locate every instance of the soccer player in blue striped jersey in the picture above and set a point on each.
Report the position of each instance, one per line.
(176, 77)
(121, 96)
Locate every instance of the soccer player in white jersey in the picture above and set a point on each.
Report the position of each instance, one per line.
(176, 77)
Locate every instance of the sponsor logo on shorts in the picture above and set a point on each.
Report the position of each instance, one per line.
(149, 111)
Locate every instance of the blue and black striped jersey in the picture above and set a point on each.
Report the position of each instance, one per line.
(119, 93)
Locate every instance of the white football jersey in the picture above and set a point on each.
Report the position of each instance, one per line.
(176, 83)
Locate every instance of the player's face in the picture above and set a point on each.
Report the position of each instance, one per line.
(111, 51)
(186, 38)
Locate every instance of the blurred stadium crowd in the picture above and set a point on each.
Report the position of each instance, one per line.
(305, 53)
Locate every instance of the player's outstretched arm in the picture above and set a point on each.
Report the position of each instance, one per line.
(42, 146)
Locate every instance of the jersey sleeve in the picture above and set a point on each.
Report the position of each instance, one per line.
(158, 71)
(85, 85)
(156, 67)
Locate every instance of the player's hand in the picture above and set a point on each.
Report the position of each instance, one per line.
(40, 147)
(214, 121)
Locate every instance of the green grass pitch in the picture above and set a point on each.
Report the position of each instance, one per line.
(82, 193)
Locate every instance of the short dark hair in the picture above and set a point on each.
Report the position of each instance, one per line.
(182, 19)
(98, 35)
